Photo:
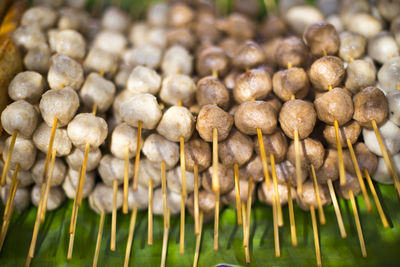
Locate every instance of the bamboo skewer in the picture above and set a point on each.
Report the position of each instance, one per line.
(198, 241)
(246, 248)
(165, 241)
(137, 157)
(183, 196)
(49, 150)
(166, 213)
(291, 215)
(14, 182)
(263, 158)
(358, 224)
(5, 225)
(130, 237)
(8, 159)
(337, 209)
(298, 162)
(276, 229)
(276, 194)
(196, 201)
(72, 225)
(237, 190)
(248, 213)
(99, 237)
(215, 186)
(321, 213)
(316, 237)
(150, 214)
(376, 199)
(48, 185)
(126, 181)
(114, 215)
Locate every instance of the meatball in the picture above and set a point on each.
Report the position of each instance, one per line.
(98, 90)
(149, 170)
(157, 149)
(138, 198)
(370, 104)
(112, 168)
(267, 195)
(212, 59)
(249, 54)
(20, 116)
(70, 43)
(291, 82)
(225, 177)
(299, 17)
(64, 71)
(382, 47)
(297, 115)
(24, 177)
(365, 159)
(352, 45)
(123, 137)
(62, 144)
(42, 16)
(254, 84)
(22, 198)
(29, 36)
(329, 169)
(388, 75)
(253, 115)
(364, 24)
(308, 198)
(211, 91)
(351, 184)
(230, 198)
(101, 61)
(71, 183)
(197, 152)
(390, 136)
(273, 26)
(157, 14)
(75, 159)
(394, 107)
(180, 14)
(322, 39)
(147, 55)
(326, 71)
(176, 122)
(173, 202)
(174, 180)
(115, 19)
(237, 26)
(110, 41)
(178, 87)
(143, 80)
(177, 59)
(101, 199)
(38, 58)
(212, 117)
(55, 199)
(274, 143)
(311, 153)
(207, 202)
(24, 153)
(350, 130)
(382, 174)
(27, 85)
(291, 51)
(236, 149)
(360, 74)
(58, 175)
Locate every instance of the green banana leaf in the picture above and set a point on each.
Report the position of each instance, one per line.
(52, 245)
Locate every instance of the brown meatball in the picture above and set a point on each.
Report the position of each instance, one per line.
(308, 197)
(210, 90)
(350, 130)
(326, 71)
(270, 47)
(249, 54)
(322, 39)
(180, 14)
(328, 170)
(267, 195)
(365, 158)
(230, 79)
(181, 36)
(230, 197)
(212, 58)
(272, 26)
(291, 51)
(197, 152)
(311, 152)
(351, 184)
(287, 171)
(254, 84)
(225, 177)
(275, 143)
(297, 114)
(290, 82)
(210, 117)
(253, 169)
(229, 45)
(206, 204)
(334, 105)
(236, 149)
(370, 104)
(274, 102)
(252, 115)
(204, 27)
(237, 26)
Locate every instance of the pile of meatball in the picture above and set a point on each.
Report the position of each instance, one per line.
(188, 69)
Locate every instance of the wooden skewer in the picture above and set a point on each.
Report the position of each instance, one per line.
(246, 248)
(316, 237)
(81, 182)
(164, 193)
(387, 158)
(216, 221)
(137, 157)
(50, 149)
(99, 237)
(114, 215)
(165, 240)
(359, 176)
(130, 237)
(196, 200)
(182, 228)
(358, 224)
(342, 173)
(48, 185)
(276, 194)
(126, 182)
(291, 214)
(215, 186)
(263, 158)
(321, 213)
(248, 209)
(298, 162)
(198, 241)
(276, 229)
(237, 190)
(5, 225)
(337, 209)
(376, 198)
(14, 182)
(150, 214)
(8, 159)
(72, 225)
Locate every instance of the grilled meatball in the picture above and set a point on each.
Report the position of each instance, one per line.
(147, 55)
(388, 75)
(98, 90)
(364, 24)
(112, 168)
(178, 87)
(291, 82)
(177, 59)
(206, 204)
(210, 117)
(236, 149)
(70, 43)
(101, 199)
(230, 198)
(326, 71)
(382, 47)
(299, 17)
(61, 144)
(174, 180)
(360, 74)
(254, 84)
(225, 177)
(322, 39)
(123, 137)
(252, 115)
(308, 197)
(138, 198)
(71, 183)
(55, 199)
(365, 159)
(287, 171)
(115, 19)
(173, 202)
(273, 26)
(291, 51)
(329, 169)
(22, 197)
(149, 170)
(100, 60)
(237, 26)
(267, 195)
(311, 152)
(382, 174)
(157, 149)
(350, 130)
(352, 45)
(64, 71)
(157, 14)
(110, 41)
(144, 80)
(29, 36)
(42, 16)
(211, 91)
(274, 143)
(176, 122)
(390, 137)
(351, 184)
(38, 58)
(75, 159)
(249, 54)
(20, 116)
(197, 152)
(26, 86)
(24, 153)
(370, 104)
(210, 59)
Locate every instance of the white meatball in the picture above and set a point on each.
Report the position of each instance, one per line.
(336, 22)
(112, 168)
(382, 47)
(20, 116)
(101, 199)
(52, 39)
(72, 179)
(364, 24)
(351, 45)
(38, 59)
(157, 149)
(59, 103)
(145, 55)
(124, 137)
(64, 71)
(24, 178)
(138, 34)
(176, 122)
(42, 16)
(300, 17)
(173, 202)
(29, 36)
(27, 85)
(75, 159)
(174, 180)
(111, 41)
(157, 36)
(119, 100)
(115, 19)
(122, 76)
(70, 43)
(138, 198)
(87, 128)
(394, 107)
(59, 172)
(100, 60)
(149, 170)
(61, 144)
(69, 19)
(157, 14)
(142, 107)
(390, 133)
(360, 74)
(382, 174)
(22, 197)
(389, 75)
(98, 90)
(55, 199)
(177, 60)
(144, 80)
(24, 153)
(178, 87)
